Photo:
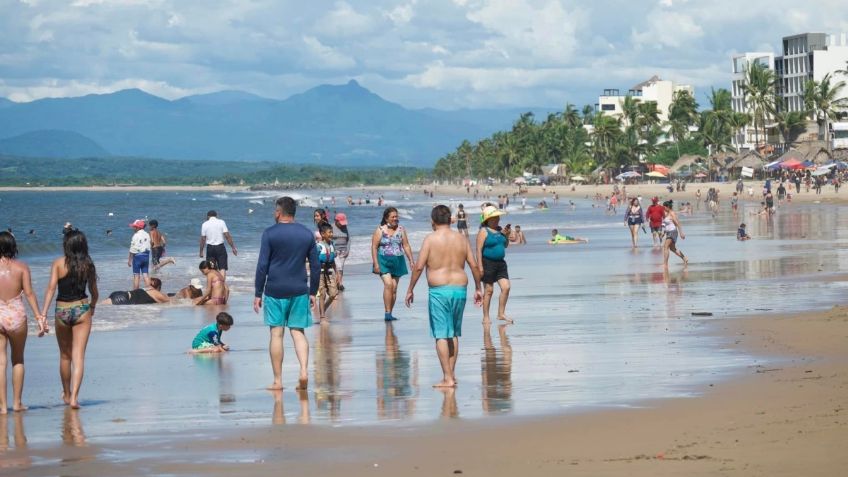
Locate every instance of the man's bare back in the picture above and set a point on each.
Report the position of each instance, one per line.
(446, 252)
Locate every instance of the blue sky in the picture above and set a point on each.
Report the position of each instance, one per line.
(440, 53)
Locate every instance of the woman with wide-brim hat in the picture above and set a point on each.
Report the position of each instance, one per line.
(492, 242)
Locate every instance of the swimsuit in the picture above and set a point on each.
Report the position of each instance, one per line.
(70, 314)
(138, 296)
(446, 306)
(494, 251)
(12, 314)
(461, 223)
(209, 336)
(634, 217)
(670, 229)
(390, 256)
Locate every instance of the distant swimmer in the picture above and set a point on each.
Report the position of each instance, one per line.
(443, 256)
(557, 239)
(32, 231)
(208, 339)
(108, 232)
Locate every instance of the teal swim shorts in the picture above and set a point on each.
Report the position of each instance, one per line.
(446, 306)
(292, 312)
(395, 265)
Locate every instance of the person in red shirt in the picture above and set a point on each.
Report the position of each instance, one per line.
(655, 215)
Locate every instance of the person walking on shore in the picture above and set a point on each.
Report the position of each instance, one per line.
(15, 284)
(389, 251)
(281, 286)
(213, 232)
(491, 250)
(342, 243)
(444, 255)
(672, 229)
(634, 217)
(139, 257)
(462, 221)
(74, 311)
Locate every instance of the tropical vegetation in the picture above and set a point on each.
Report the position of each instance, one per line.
(584, 140)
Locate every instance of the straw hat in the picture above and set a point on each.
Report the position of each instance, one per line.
(490, 212)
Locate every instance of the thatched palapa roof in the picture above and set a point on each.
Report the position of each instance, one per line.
(686, 162)
(750, 159)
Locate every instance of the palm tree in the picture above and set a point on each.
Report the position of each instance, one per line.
(588, 114)
(825, 100)
(738, 121)
(791, 124)
(571, 116)
(605, 137)
(629, 110)
(759, 89)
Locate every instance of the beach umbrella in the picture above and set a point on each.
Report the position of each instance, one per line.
(664, 170)
(655, 174)
(821, 172)
(578, 179)
(700, 175)
(519, 180)
(791, 164)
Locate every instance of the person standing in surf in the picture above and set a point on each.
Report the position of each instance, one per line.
(389, 251)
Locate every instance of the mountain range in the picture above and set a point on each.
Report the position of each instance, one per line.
(329, 125)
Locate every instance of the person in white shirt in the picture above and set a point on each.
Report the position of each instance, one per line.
(139, 257)
(212, 235)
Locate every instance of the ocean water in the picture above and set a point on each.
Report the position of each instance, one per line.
(597, 325)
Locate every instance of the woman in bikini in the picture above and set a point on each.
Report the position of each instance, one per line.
(15, 283)
(217, 291)
(633, 218)
(72, 274)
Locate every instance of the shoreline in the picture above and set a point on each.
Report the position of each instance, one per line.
(121, 188)
(783, 418)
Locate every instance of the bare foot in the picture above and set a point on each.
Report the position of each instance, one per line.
(506, 319)
(302, 383)
(19, 408)
(487, 321)
(3, 410)
(445, 384)
(66, 398)
(275, 386)
(75, 404)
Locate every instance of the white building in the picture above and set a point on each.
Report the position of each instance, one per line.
(807, 56)
(655, 89)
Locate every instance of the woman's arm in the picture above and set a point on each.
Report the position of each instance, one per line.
(202, 300)
(407, 249)
(26, 280)
(375, 244)
(158, 296)
(677, 224)
(92, 289)
(51, 286)
(481, 238)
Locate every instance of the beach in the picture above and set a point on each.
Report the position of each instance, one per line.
(781, 419)
(613, 366)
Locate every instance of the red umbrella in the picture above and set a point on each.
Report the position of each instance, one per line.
(791, 164)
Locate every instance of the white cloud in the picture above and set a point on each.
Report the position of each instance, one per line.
(401, 14)
(321, 56)
(54, 88)
(670, 29)
(344, 21)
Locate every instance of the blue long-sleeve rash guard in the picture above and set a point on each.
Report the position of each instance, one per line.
(280, 271)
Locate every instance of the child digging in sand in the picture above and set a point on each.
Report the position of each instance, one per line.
(208, 339)
(556, 238)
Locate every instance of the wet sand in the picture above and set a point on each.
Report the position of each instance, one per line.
(134, 188)
(787, 418)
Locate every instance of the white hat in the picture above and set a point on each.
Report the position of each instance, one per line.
(195, 282)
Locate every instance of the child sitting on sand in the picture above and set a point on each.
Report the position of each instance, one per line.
(208, 339)
(741, 234)
(556, 238)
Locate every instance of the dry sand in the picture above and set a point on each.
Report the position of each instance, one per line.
(788, 418)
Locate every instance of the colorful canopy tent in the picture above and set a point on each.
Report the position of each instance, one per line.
(793, 164)
(664, 170)
(655, 174)
(700, 175)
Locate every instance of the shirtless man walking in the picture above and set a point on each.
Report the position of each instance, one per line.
(444, 254)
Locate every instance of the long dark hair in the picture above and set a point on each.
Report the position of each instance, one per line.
(78, 262)
(8, 245)
(386, 213)
(321, 213)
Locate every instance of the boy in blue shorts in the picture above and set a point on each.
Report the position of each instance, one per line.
(208, 339)
(444, 254)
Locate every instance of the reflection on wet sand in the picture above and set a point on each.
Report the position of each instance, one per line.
(72, 432)
(278, 416)
(326, 365)
(449, 408)
(496, 372)
(397, 380)
(218, 370)
(15, 456)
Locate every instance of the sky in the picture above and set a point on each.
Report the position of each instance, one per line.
(447, 54)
